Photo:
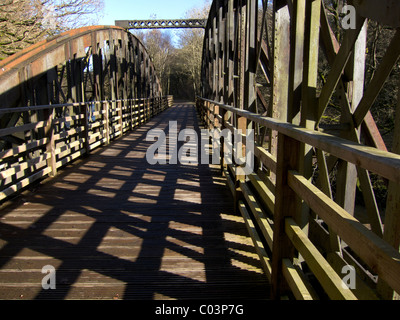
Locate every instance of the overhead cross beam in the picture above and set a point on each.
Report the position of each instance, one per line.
(162, 24)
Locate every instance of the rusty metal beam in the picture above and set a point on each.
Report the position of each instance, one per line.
(162, 24)
(19, 74)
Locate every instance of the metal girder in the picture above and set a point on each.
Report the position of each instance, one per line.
(63, 64)
(162, 24)
(68, 95)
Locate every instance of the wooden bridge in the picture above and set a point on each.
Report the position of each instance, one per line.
(115, 227)
(82, 203)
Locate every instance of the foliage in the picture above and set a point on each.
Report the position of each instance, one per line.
(159, 46)
(178, 64)
(25, 22)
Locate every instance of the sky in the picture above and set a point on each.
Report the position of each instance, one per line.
(145, 9)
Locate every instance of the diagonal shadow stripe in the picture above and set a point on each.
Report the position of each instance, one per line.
(176, 241)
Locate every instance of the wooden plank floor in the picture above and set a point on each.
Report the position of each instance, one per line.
(115, 227)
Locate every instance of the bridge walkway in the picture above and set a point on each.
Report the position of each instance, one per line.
(115, 227)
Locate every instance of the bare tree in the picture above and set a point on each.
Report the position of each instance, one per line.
(160, 48)
(191, 44)
(61, 15)
(178, 65)
(19, 26)
(24, 22)
(191, 53)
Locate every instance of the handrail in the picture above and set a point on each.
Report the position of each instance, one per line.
(274, 209)
(62, 105)
(75, 131)
(69, 94)
(384, 163)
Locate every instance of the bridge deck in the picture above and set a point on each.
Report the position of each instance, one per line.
(115, 227)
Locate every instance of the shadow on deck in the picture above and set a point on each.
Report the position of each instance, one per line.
(115, 227)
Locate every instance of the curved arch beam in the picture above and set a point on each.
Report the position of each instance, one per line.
(97, 53)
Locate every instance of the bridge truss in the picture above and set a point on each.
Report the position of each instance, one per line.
(63, 97)
(162, 24)
(261, 70)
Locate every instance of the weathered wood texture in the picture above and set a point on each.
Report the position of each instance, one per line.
(68, 138)
(272, 218)
(115, 227)
(280, 84)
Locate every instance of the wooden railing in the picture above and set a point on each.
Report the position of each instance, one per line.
(296, 251)
(63, 133)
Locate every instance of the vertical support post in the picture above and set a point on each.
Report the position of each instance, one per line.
(222, 127)
(216, 113)
(148, 109)
(85, 122)
(281, 62)
(131, 103)
(392, 217)
(153, 107)
(222, 52)
(141, 111)
(242, 54)
(211, 63)
(239, 176)
(84, 110)
(145, 102)
(230, 66)
(285, 206)
(120, 120)
(251, 56)
(113, 78)
(215, 55)
(203, 112)
(309, 106)
(207, 115)
(145, 107)
(97, 70)
(138, 112)
(50, 146)
(107, 121)
(297, 51)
